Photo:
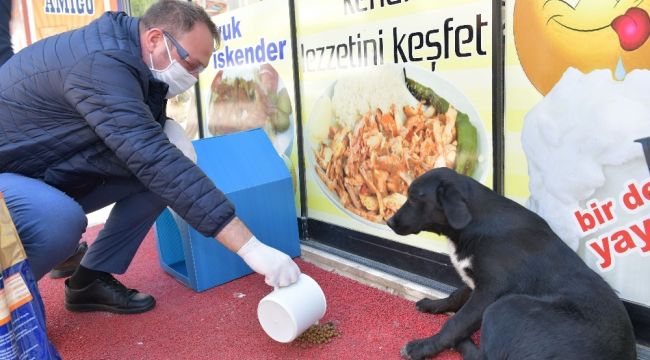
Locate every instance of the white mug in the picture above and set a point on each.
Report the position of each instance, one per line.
(287, 312)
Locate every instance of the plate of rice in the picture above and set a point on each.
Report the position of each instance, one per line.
(373, 132)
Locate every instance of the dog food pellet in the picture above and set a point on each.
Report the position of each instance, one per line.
(318, 334)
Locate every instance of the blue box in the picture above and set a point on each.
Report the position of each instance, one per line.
(247, 168)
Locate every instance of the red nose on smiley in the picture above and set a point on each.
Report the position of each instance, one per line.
(633, 28)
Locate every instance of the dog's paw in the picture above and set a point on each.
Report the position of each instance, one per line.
(427, 306)
(405, 353)
(410, 351)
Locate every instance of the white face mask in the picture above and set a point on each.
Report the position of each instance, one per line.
(175, 75)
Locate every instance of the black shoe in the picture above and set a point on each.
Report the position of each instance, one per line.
(107, 294)
(67, 268)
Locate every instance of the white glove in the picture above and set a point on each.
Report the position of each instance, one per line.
(176, 135)
(276, 266)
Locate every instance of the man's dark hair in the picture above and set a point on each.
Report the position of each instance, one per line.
(178, 17)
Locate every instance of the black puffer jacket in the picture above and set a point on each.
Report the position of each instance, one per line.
(82, 106)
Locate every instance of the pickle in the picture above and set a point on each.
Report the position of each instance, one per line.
(428, 96)
(281, 121)
(467, 150)
(284, 102)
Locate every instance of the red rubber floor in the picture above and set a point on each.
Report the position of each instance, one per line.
(221, 323)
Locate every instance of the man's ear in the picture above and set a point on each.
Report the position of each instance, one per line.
(152, 37)
(454, 206)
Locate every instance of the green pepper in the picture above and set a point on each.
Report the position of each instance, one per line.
(428, 96)
(466, 134)
(467, 150)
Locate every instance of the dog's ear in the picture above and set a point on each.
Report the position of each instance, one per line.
(454, 206)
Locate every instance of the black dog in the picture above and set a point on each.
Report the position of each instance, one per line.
(528, 292)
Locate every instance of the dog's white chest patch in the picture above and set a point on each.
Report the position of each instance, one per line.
(461, 265)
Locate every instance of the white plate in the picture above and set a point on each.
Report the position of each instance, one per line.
(318, 131)
(283, 141)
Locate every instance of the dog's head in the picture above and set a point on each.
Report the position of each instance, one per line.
(435, 203)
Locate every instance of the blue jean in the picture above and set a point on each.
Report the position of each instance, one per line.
(50, 223)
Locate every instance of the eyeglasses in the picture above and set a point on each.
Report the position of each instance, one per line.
(196, 69)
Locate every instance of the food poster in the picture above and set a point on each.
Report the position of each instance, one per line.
(184, 110)
(577, 99)
(249, 83)
(44, 18)
(389, 91)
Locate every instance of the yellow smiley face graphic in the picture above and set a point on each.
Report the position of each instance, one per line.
(553, 35)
